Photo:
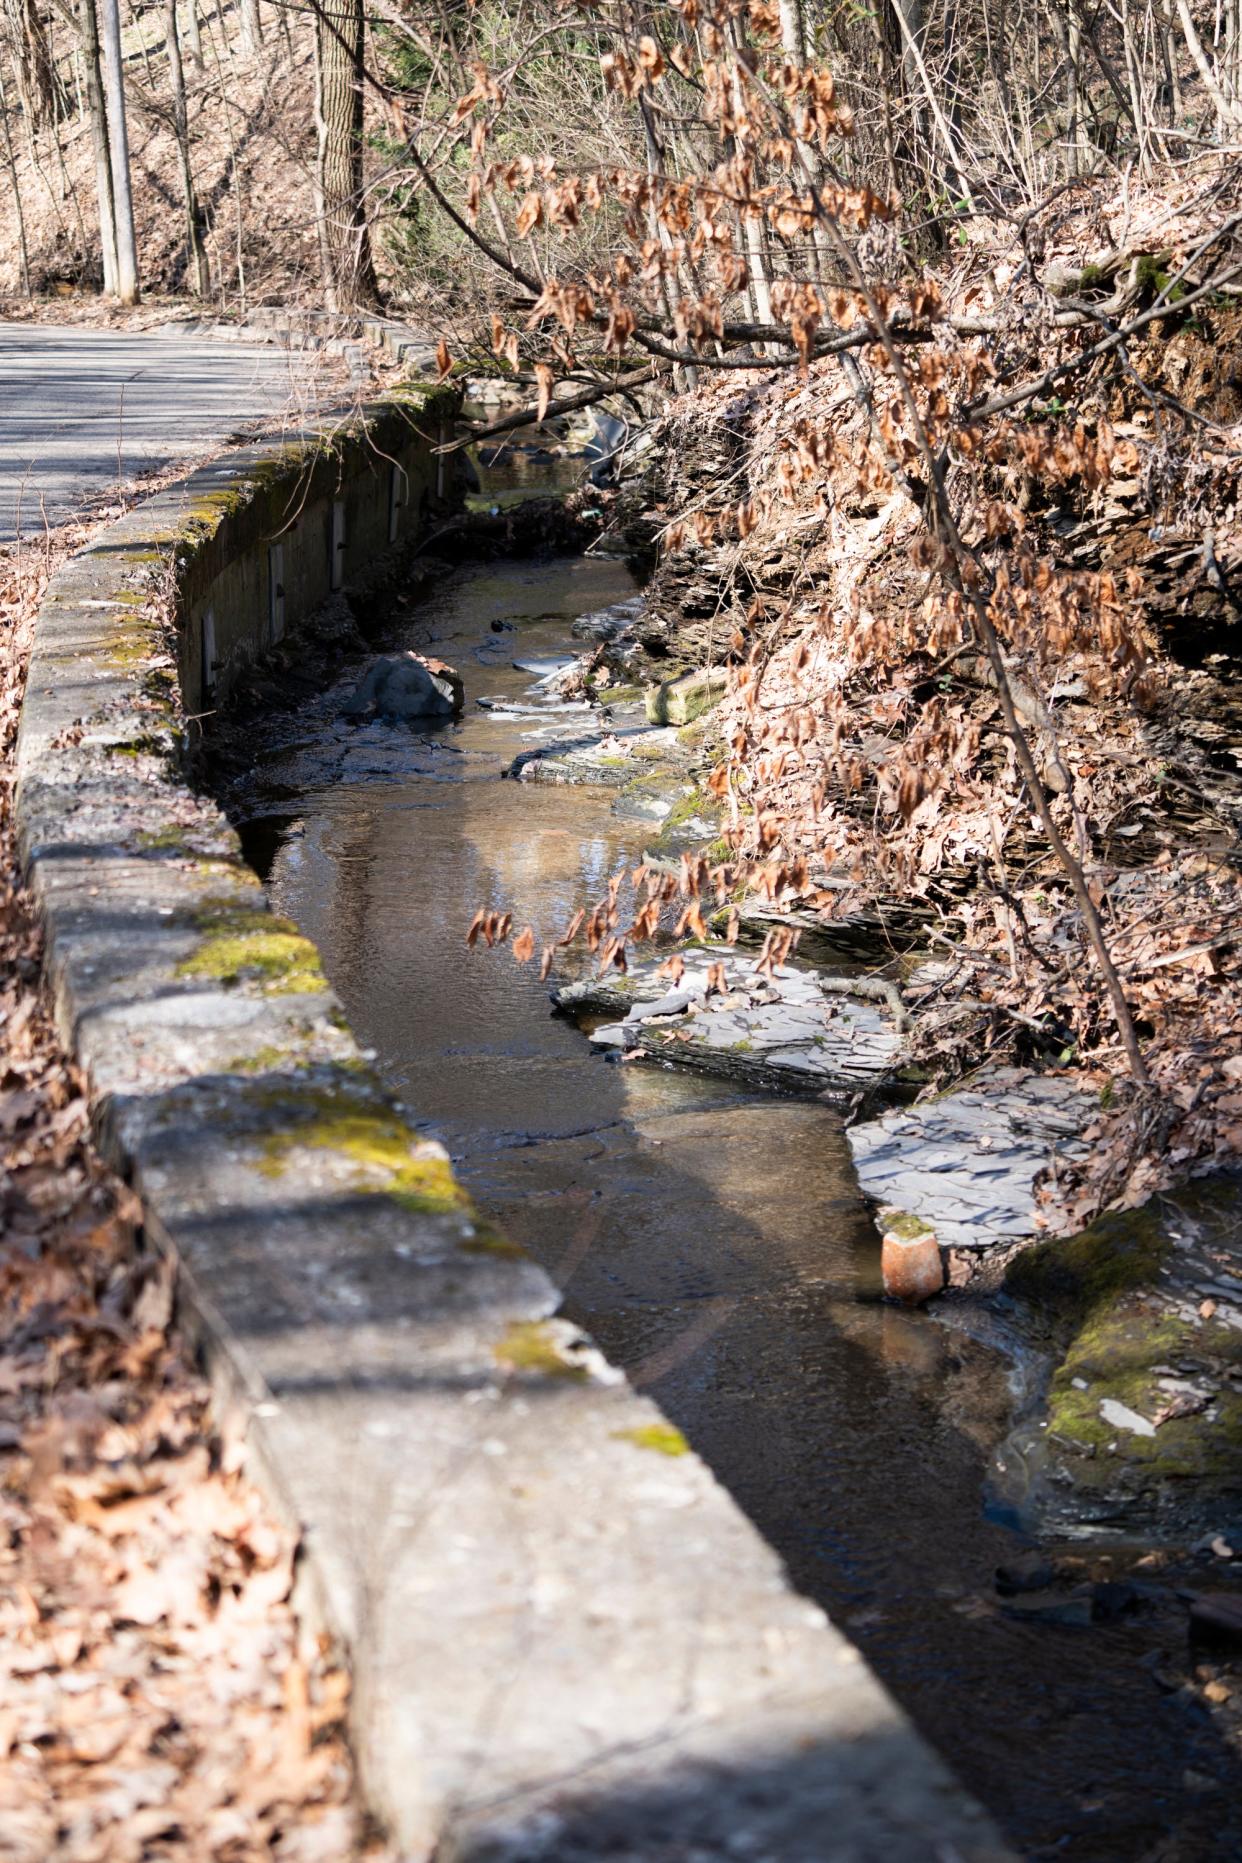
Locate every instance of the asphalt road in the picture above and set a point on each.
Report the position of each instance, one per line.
(80, 409)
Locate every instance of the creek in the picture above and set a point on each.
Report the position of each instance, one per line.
(713, 1242)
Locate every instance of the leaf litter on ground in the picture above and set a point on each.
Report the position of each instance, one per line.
(158, 1697)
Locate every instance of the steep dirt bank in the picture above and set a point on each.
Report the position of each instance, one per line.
(851, 778)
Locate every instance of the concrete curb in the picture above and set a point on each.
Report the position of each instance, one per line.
(567, 1642)
(344, 334)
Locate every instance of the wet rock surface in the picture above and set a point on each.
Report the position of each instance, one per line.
(610, 753)
(782, 1031)
(1139, 1425)
(405, 685)
(967, 1162)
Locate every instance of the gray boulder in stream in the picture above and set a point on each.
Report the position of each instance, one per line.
(405, 685)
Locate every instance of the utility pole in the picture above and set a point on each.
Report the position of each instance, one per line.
(118, 142)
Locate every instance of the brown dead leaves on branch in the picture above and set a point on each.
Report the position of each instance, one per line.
(928, 705)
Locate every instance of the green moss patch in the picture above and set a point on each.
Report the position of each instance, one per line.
(1119, 1356)
(903, 1225)
(489, 1241)
(387, 1156)
(242, 944)
(535, 1346)
(171, 839)
(353, 1123)
(1068, 1280)
(1120, 1335)
(660, 1438)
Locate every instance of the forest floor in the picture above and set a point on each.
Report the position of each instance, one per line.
(252, 133)
(251, 130)
(159, 1697)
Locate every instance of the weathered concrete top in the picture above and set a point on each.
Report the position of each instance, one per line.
(566, 1639)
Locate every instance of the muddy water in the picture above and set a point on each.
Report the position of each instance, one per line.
(713, 1243)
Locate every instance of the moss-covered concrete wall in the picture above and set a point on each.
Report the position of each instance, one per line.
(271, 539)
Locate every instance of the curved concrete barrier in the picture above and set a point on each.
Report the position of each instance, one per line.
(567, 1641)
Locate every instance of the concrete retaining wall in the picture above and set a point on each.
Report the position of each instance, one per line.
(567, 1642)
(265, 547)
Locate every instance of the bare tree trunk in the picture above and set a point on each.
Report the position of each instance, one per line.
(344, 239)
(118, 147)
(88, 26)
(17, 193)
(251, 25)
(793, 31)
(1228, 112)
(908, 15)
(41, 92)
(196, 259)
(1073, 48)
(688, 374)
(193, 33)
(752, 227)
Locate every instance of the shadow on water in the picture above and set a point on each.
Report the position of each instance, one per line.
(714, 1244)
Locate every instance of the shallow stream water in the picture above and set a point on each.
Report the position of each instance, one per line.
(713, 1243)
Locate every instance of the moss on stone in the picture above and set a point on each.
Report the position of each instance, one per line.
(688, 808)
(534, 1346)
(245, 944)
(489, 1241)
(903, 1225)
(265, 1060)
(171, 839)
(1119, 1356)
(387, 1156)
(660, 1438)
(127, 656)
(1098, 1291)
(379, 1144)
(1069, 1279)
(146, 744)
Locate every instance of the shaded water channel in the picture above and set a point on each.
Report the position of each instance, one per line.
(714, 1243)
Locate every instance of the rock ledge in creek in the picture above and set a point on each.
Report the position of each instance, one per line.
(966, 1164)
(785, 1032)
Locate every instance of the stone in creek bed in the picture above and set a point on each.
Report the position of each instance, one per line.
(781, 1034)
(608, 623)
(546, 666)
(910, 1261)
(406, 685)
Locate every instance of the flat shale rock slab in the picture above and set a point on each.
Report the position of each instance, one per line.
(602, 753)
(966, 1163)
(787, 1031)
